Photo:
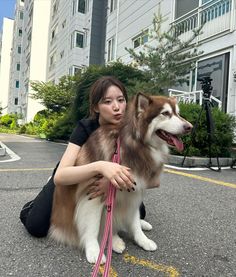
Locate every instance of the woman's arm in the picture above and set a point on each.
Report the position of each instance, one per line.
(68, 174)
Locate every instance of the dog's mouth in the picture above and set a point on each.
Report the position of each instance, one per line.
(171, 139)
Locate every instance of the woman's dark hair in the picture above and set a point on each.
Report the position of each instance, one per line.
(99, 89)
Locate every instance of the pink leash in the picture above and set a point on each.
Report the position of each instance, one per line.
(108, 225)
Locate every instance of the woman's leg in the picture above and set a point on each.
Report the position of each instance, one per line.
(36, 214)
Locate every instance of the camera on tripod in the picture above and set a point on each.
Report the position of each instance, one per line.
(206, 86)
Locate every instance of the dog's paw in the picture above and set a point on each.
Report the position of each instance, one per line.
(147, 244)
(118, 245)
(92, 256)
(145, 225)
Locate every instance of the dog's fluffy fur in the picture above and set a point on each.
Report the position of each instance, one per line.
(150, 125)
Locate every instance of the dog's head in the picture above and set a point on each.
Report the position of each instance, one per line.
(158, 120)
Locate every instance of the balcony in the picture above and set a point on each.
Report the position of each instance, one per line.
(216, 16)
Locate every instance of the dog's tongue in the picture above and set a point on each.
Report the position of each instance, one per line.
(177, 142)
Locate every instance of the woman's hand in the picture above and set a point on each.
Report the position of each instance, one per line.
(99, 188)
(120, 176)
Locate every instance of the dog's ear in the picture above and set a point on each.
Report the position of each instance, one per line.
(142, 102)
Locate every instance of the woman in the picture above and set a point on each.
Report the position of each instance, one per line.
(108, 99)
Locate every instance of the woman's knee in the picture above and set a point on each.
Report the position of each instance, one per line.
(38, 231)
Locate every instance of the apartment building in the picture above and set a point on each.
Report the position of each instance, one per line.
(60, 37)
(129, 24)
(28, 54)
(76, 36)
(5, 62)
(16, 81)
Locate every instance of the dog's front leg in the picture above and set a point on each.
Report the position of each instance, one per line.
(140, 238)
(88, 220)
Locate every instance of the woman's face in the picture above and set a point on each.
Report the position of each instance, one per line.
(112, 107)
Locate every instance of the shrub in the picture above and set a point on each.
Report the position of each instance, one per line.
(222, 140)
(9, 120)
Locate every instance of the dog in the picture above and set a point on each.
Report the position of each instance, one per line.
(151, 124)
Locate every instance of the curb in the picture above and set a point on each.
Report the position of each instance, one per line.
(198, 161)
(2, 152)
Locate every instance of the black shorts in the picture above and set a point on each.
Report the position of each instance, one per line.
(36, 214)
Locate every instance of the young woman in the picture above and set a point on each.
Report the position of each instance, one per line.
(108, 99)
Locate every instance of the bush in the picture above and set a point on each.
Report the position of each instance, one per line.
(42, 125)
(224, 127)
(62, 128)
(9, 120)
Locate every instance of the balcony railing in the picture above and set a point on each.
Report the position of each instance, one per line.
(215, 16)
(195, 97)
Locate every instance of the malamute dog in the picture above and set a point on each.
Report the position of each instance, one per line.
(151, 124)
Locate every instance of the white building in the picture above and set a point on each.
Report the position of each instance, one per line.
(16, 81)
(76, 37)
(60, 37)
(5, 62)
(34, 47)
(127, 22)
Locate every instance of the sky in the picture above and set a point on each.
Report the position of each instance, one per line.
(7, 9)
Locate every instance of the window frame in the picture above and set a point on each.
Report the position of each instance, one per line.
(140, 39)
(74, 39)
(113, 5)
(111, 49)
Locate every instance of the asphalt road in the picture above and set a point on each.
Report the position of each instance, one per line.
(193, 214)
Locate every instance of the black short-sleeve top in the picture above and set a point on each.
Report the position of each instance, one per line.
(83, 130)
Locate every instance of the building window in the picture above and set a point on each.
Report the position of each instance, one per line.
(140, 39)
(184, 6)
(218, 69)
(113, 5)
(54, 8)
(21, 15)
(17, 84)
(62, 54)
(73, 70)
(63, 25)
(81, 6)
(16, 101)
(18, 67)
(19, 49)
(110, 49)
(77, 40)
(74, 7)
(20, 32)
(54, 34)
(52, 60)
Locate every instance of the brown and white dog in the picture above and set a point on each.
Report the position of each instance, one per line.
(151, 124)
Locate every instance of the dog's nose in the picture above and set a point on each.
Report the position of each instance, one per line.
(188, 127)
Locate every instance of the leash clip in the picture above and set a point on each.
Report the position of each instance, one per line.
(109, 208)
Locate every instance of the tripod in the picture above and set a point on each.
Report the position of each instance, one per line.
(206, 105)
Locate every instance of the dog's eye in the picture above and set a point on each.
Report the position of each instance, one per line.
(166, 113)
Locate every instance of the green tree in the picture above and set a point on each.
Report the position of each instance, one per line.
(55, 97)
(168, 59)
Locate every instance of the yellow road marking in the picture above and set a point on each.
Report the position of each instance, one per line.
(25, 169)
(112, 272)
(160, 267)
(217, 182)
